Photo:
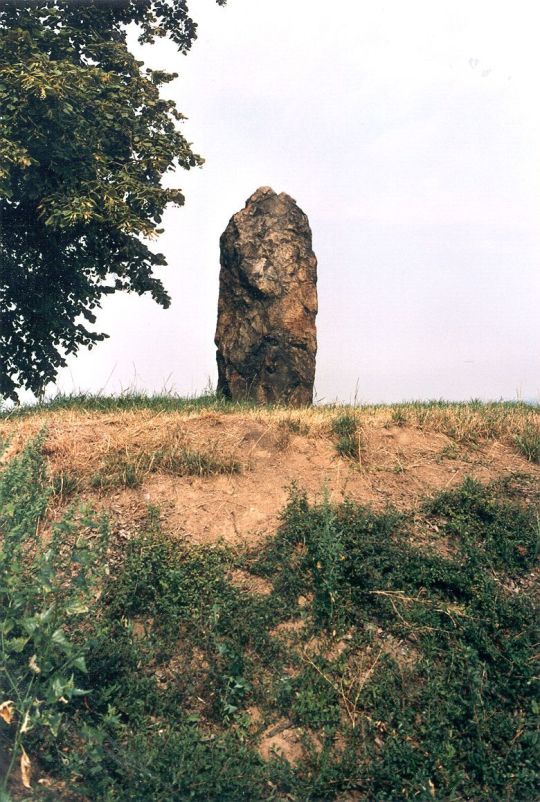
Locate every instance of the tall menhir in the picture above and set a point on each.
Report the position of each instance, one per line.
(266, 337)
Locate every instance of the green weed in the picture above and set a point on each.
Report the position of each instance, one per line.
(345, 428)
(399, 416)
(65, 484)
(459, 627)
(491, 532)
(528, 443)
(47, 589)
(404, 674)
(294, 426)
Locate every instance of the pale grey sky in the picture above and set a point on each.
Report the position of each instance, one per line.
(410, 135)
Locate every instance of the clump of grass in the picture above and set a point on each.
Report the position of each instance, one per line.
(287, 427)
(128, 468)
(528, 442)
(450, 451)
(294, 425)
(399, 415)
(345, 428)
(65, 484)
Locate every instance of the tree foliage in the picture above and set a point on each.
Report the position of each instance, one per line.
(85, 140)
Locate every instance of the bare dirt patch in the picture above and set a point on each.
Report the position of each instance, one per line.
(398, 465)
(285, 743)
(250, 583)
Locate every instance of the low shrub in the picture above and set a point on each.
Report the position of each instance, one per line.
(403, 674)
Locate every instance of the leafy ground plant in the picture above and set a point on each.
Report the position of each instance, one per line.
(46, 589)
(402, 673)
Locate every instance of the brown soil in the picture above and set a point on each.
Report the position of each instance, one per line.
(397, 466)
(285, 742)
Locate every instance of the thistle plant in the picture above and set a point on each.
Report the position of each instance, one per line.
(46, 585)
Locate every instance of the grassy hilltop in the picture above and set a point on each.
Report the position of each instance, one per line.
(207, 601)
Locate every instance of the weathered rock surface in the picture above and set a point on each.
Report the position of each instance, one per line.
(266, 336)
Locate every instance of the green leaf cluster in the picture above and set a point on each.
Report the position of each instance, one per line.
(47, 585)
(85, 141)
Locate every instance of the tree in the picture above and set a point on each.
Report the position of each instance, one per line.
(85, 140)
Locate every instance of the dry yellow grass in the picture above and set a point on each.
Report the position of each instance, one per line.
(218, 471)
(89, 439)
(470, 423)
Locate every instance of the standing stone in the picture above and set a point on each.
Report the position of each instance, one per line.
(266, 337)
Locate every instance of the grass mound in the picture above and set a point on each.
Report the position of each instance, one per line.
(383, 669)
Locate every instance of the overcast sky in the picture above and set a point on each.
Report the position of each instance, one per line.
(410, 135)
